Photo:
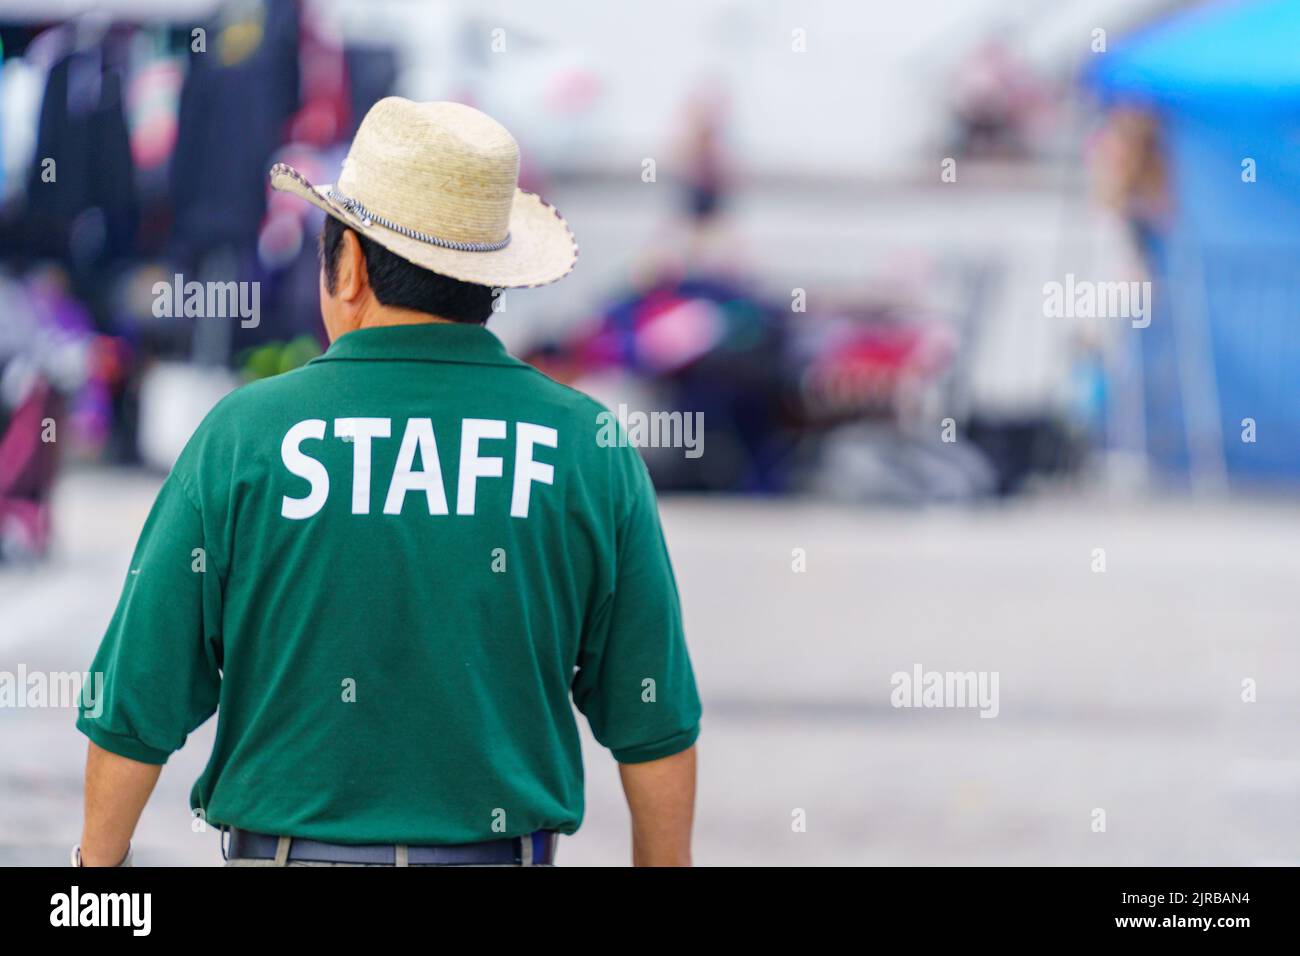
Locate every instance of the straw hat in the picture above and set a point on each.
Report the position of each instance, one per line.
(437, 184)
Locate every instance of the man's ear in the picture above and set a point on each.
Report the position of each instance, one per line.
(351, 279)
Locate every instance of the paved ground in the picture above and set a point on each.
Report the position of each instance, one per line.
(1119, 691)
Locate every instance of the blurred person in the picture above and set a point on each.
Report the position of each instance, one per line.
(706, 181)
(995, 103)
(1132, 178)
(387, 571)
(705, 174)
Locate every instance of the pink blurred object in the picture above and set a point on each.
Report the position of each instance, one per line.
(572, 91)
(674, 333)
(152, 104)
(27, 468)
(868, 369)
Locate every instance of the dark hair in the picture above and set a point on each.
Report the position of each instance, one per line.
(399, 283)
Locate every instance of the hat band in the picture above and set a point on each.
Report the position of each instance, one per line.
(368, 218)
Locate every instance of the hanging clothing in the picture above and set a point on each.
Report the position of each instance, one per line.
(236, 101)
(81, 201)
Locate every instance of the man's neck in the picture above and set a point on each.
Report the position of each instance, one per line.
(381, 316)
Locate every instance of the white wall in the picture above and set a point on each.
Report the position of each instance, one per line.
(866, 98)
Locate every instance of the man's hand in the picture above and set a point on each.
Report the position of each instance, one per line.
(116, 792)
(661, 796)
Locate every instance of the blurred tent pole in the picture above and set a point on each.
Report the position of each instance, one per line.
(1197, 378)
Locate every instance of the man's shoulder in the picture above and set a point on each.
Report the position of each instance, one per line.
(565, 397)
(243, 417)
(589, 422)
(242, 407)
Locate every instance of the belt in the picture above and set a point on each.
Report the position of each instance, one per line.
(246, 845)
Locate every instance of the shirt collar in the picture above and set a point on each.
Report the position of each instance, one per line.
(426, 342)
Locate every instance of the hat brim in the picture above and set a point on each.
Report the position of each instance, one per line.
(541, 249)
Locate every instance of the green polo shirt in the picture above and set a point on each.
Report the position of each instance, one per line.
(387, 571)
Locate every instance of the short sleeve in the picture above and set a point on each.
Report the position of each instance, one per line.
(156, 676)
(634, 682)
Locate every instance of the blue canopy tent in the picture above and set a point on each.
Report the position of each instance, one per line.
(1223, 78)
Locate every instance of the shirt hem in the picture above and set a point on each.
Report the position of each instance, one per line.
(121, 744)
(659, 749)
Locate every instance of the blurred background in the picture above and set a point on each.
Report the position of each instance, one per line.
(829, 227)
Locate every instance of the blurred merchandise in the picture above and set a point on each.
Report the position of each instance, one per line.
(134, 147)
(27, 468)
